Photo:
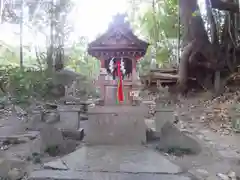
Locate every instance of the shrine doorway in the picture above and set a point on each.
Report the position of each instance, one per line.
(111, 82)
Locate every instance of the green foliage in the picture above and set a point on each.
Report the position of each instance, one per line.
(159, 21)
(32, 81)
(158, 24)
(81, 62)
(23, 83)
(155, 21)
(162, 55)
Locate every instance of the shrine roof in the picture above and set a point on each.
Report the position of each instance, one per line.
(119, 37)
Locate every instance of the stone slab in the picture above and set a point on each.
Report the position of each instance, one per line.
(21, 136)
(55, 165)
(116, 125)
(73, 175)
(125, 159)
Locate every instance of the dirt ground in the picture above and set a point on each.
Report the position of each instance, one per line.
(207, 120)
(21, 146)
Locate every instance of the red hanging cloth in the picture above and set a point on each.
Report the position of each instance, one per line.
(120, 88)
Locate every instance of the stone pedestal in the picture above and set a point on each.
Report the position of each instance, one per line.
(163, 116)
(116, 125)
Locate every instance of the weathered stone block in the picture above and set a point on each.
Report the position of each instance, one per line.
(51, 117)
(73, 134)
(68, 120)
(83, 117)
(50, 137)
(162, 117)
(12, 169)
(116, 125)
(172, 138)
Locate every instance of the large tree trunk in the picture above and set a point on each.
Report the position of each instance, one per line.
(198, 52)
(225, 5)
(192, 21)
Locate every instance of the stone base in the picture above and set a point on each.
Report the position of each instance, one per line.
(116, 125)
(76, 175)
(124, 159)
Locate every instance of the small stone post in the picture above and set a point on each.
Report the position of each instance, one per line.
(164, 109)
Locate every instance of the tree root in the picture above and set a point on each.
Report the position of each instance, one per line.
(184, 66)
(197, 62)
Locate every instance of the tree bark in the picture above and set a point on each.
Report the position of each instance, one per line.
(192, 21)
(225, 6)
(184, 66)
(198, 51)
(213, 27)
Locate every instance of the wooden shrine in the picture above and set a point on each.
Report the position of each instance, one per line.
(118, 44)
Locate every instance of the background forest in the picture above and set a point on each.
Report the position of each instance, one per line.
(156, 22)
(200, 29)
(39, 37)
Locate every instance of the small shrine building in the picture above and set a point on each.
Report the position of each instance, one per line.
(118, 49)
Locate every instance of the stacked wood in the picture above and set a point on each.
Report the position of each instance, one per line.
(156, 76)
(174, 71)
(163, 77)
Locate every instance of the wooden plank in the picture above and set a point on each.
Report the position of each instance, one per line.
(164, 80)
(170, 70)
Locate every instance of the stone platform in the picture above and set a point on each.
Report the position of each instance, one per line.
(116, 125)
(110, 162)
(73, 175)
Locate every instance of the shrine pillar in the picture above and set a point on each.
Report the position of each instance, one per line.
(135, 86)
(134, 71)
(101, 79)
